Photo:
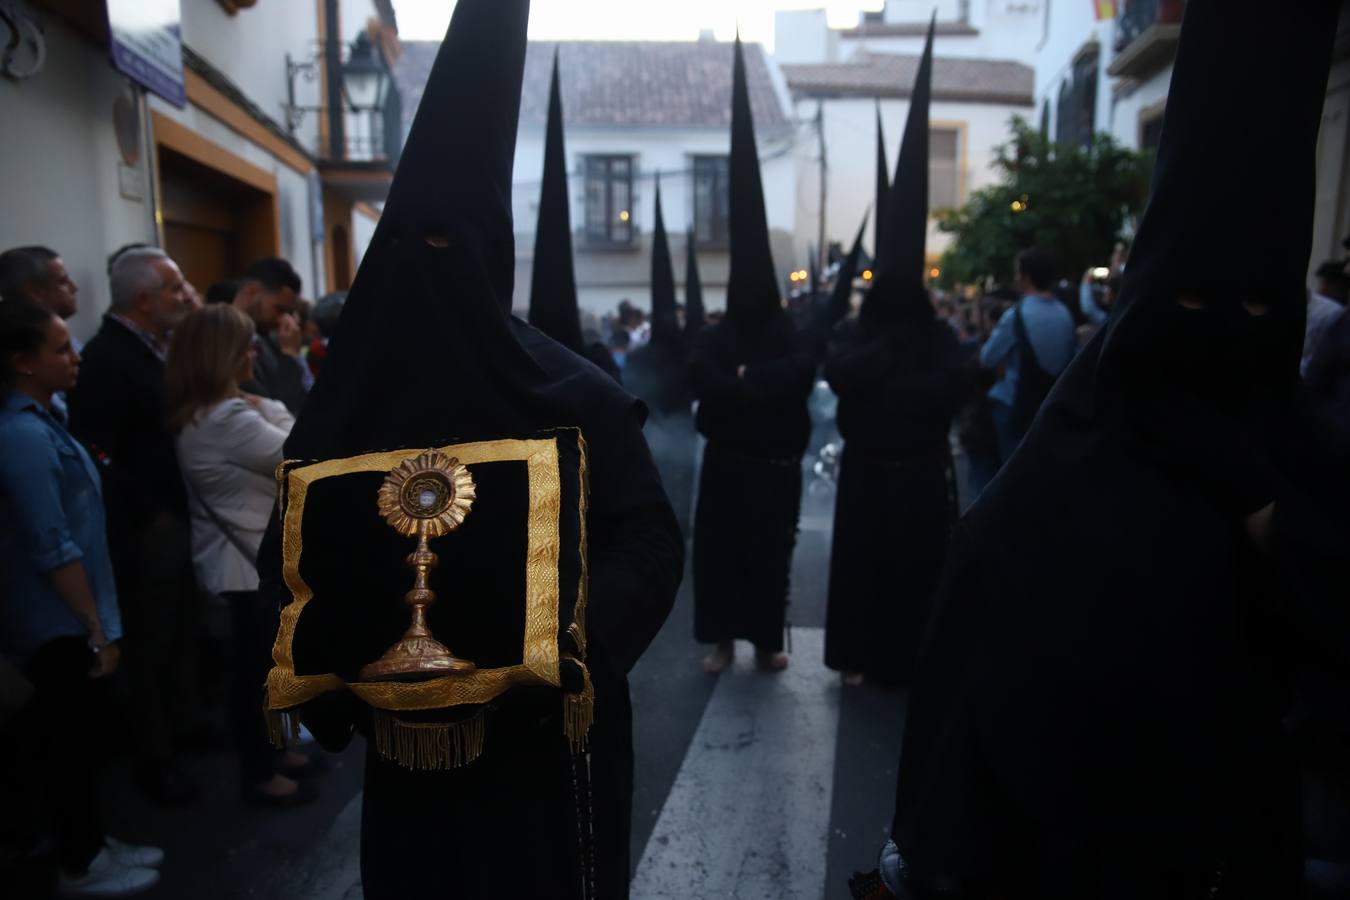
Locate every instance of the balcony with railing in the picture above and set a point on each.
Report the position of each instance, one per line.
(343, 103)
(1147, 32)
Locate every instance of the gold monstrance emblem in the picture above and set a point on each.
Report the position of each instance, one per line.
(424, 498)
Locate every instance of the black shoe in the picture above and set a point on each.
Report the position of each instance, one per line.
(168, 786)
(260, 799)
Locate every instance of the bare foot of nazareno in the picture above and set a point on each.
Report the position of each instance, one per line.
(720, 658)
(771, 662)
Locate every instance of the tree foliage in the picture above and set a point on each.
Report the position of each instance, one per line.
(1073, 202)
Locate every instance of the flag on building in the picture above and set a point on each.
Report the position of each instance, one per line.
(1106, 9)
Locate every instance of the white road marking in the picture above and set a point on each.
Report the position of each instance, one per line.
(748, 816)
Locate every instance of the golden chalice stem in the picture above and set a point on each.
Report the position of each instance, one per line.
(422, 561)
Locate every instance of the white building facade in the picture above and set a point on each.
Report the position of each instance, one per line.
(840, 78)
(1098, 73)
(633, 111)
(94, 161)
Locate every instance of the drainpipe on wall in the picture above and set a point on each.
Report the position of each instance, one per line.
(151, 151)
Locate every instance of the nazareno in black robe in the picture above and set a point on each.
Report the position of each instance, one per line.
(895, 370)
(1097, 708)
(897, 394)
(752, 373)
(426, 354)
(658, 374)
(745, 525)
(506, 821)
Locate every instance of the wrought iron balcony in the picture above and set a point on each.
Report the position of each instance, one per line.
(1147, 32)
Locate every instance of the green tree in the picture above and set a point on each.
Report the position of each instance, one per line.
(1070, 201)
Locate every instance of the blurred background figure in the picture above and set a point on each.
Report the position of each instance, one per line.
(269, 293)
(118, 411)
(229, 444)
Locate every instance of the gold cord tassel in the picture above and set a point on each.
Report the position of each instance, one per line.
(283, 727)
(579, 714)
(429, 745)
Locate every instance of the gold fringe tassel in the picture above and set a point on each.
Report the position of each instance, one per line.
(429, 745)
(283, 727)
(579, 714)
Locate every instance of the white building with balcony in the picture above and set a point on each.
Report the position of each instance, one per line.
(243, 153)
(634, 110)
(1097, 74)
(839, 78)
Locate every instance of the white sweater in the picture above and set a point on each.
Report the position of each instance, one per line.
(228, 458)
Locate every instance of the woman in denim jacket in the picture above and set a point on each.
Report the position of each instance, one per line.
(58, 608)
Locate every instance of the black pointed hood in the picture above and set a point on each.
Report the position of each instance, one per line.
(1203, 182)
(838, 306)
(695, 316)
(883, 185)
(898, 284)
(752, 286)
(1172, 379)
(553, 283)
(665, 320)
(429, 305)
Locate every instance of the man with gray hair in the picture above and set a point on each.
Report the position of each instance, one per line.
(118, 410)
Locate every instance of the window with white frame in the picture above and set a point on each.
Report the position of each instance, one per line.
(711, 200)
(944, 168)
(609, 199)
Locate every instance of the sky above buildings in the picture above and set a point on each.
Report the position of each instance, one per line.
(423, 20)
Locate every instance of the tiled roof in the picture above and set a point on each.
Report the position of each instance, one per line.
(892, 75)
(623, 83)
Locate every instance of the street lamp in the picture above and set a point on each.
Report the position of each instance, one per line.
(365, 80)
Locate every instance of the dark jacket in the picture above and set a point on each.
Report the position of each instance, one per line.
(277, 375)
(118, 410)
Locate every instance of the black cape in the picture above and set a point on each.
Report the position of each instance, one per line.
(426, 353)
(1098, 699)
(745, 524)
(897, 395)
(895, 369)
(752, 373)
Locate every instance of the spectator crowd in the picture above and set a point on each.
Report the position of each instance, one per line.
(136, 479)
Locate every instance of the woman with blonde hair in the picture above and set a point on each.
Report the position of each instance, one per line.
(229, 444)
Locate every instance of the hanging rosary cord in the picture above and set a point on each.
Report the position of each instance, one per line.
(585, 823)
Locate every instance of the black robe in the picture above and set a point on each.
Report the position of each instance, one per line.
(506, 824)
(897, 395)
(658, 374)
(1097, 702)
(1100, 697)
(749, 497)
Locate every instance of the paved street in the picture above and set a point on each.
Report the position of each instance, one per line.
(749, 785)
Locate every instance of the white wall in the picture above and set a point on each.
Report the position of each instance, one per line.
(60, 159)
(604, 278)
(250, 48)
(804, 36)
(363, 229)
(1008, 29)
(850, 131)
(908, 12)
(292, 188)
(1332, 221)
(1122, 116)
